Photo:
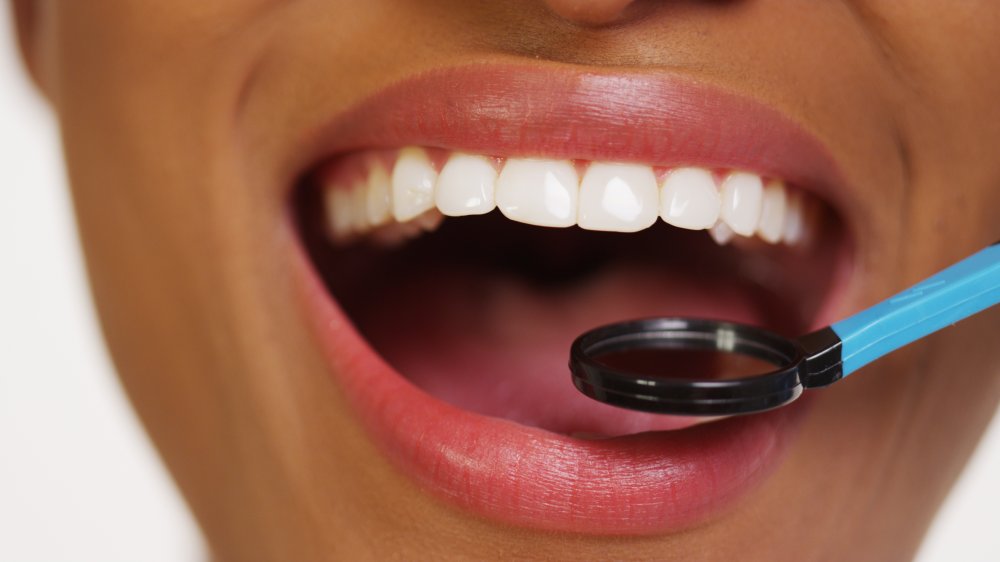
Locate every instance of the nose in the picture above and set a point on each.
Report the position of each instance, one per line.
(590, 12)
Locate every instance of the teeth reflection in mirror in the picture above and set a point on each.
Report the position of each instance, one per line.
(337, 203)
(466, 186)
(379, 196)
(413, 179)
(772, 212)
(742, 195)
(539, 192)
(689, 199)
(721, 233)
(618, 197)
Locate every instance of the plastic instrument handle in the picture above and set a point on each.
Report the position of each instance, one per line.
(970, 286)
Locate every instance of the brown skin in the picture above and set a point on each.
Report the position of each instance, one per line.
(177, 120)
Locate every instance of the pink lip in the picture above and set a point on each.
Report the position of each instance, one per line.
(646, 483)
(506, 110)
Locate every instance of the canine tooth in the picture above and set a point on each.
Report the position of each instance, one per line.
(539, 192)
(792, 229)
(618, 197)
(772, 212)
(742, 194)
(689, 199)
(338, 203)
(379, 196)
(465, 186)
(413, 179)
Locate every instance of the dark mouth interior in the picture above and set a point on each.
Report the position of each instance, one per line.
(481, 313)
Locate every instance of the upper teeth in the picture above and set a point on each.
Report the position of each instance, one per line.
(609, 196)
(690, 199)
(619, 197)
(413, 180)
(541, 192)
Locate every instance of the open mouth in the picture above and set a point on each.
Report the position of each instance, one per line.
(472, 274)
(461, 265)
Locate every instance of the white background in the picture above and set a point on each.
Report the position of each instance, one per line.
(79, 481)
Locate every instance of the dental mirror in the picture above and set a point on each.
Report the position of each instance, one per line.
(684, 366)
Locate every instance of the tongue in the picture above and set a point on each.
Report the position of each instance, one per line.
(499, 346)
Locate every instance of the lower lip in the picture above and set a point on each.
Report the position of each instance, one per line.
(637, 484)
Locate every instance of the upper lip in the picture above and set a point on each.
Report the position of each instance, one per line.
(634, 484)
(571, 112)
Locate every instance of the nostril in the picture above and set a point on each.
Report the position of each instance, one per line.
(590, 12)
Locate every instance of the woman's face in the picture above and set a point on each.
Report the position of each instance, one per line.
(326, 383)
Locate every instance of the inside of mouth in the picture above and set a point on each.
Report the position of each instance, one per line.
(481, 312)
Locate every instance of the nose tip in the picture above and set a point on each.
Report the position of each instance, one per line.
(589, 12)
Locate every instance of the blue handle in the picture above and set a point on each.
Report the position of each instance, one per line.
(970, 286)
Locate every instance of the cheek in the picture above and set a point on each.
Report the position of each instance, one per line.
(954, 385)
(947, 110)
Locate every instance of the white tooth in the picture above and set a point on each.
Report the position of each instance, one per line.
(742, 194)
(339, 219)
(379, 196)
(618, 197)
(772, 212)
(539, 192)
(359, 208)
(413, 179)
(689, 199)
(721, 233)
(465, 186)
(794, 220)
